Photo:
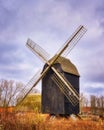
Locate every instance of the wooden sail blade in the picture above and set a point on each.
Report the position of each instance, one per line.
(66, 83)
(72, 41)
(42, 54)
(65, 90)
(37, 50)
(29, 87)
(35, 80)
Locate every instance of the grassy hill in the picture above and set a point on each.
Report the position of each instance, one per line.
(31, 103)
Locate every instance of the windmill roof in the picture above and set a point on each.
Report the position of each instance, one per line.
(66, 64)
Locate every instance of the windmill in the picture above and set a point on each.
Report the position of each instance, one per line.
(60, 86)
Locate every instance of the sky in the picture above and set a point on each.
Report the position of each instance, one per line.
(50, 23)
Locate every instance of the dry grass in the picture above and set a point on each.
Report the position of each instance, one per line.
(36, 121)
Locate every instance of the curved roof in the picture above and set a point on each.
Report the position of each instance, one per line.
(67, 65)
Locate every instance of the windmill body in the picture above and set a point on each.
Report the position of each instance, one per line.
(53, 99)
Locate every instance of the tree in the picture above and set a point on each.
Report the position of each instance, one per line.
(97, 104)
(93, 103)
(101, 104)
(83, 102)
(9, 91)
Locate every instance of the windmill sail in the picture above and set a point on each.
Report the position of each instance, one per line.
(34, 49)
(65, 49)
(29, 87)
(41, 53)
(59, 77)
(72, 41)
(37, 50)
(65, 89)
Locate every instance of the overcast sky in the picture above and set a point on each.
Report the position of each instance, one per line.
(50, 23)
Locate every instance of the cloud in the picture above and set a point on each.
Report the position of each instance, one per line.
(93, 88)
(15, 62)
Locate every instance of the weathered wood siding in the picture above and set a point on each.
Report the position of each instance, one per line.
(53, 100)
(69, 108)
(52, 97)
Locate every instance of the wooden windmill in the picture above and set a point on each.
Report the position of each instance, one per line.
(60, 78)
